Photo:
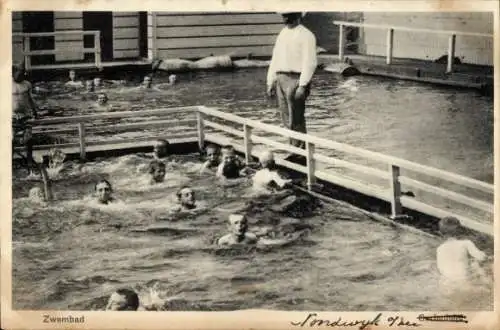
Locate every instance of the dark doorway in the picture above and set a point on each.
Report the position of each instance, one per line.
(143, 34)
(40, 21)
(101, 21)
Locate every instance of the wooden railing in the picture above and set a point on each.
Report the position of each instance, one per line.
(27, 52)
(201, 119)
(452, 36)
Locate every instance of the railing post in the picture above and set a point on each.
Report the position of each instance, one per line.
(341, 42)
(81, 137)
(311, 165)
(201, 129)
(154, 35)
(396, 208)
(451, 53)
(27, 50)
(97, 49)
(247, 141)
(389, 45)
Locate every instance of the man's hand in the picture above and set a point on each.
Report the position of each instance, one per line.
(271, 90)
(300, 93)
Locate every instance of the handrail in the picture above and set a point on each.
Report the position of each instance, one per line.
(27, 52)
(393, 194)
(390, 38)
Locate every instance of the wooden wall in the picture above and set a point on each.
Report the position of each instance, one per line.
(17, 42)
(197, 35)
(66, 21)
(125, 35)
(428, 46)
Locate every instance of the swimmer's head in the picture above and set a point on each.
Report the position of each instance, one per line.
(238, 224)
(160, 148)
(157, 170)
(449, 226)
(36, 195)
(213, 154)
(72, 75)
(18, 72)
(97, 82)
(147, 82)
(172, 79)
(185, 196)
(123, 300)
(89, 85)
(228, 154)
(267, 159)
(103, 191)
(102, 99)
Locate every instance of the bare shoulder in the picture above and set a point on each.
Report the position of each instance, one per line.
(224, 240)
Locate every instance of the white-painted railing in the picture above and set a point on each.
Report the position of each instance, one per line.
(452, 37)
(201, 120)
(28, 53)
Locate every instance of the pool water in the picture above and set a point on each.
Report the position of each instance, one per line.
(73, 253)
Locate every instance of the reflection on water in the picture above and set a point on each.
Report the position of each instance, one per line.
(73, 253)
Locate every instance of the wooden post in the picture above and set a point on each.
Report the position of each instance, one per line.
(451, 53)
(395, 191)
(81, 136)
(247, 141)
(201, 130)
(311, 165)
(47, 184)
(389, 45)
(27, 50)
(154, 36)
(341, 43)
(97, 48)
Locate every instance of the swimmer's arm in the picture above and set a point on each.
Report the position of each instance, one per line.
(475, 252)
(204, 167)
(220, 169)
(279, 181)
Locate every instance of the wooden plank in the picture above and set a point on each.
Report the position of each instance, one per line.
(61, 24)
(223, 128)
(223, 30)
(126, 33)
(142, 125)
(434, 211)
(195, 53)
(125, 14)
(133, 53)
(352, 166)
(126, 44)
(457, 197)
(217, 19)
(125, 21)
(68, 14)
(174, 43)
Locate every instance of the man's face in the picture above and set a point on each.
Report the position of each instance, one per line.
(238, 225)
(72, 75)
(147, 82)
(159, 174)
(291, 20)
(186, 197)
(103, 192)
(212, 155)
(102, 99)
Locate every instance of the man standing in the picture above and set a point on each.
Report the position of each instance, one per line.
(290, 72)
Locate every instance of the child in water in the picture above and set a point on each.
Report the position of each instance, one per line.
(230, 166)
(213, 158)
(157, 171)
(268, 177)
(23, 109)
(72, 80)
(458, 260)
(103, 192)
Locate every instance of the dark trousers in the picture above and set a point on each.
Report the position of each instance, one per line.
(292, 109)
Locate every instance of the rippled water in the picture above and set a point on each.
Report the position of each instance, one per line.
(73, 254)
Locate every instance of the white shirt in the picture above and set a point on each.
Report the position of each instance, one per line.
(294, 51)
(264, 177)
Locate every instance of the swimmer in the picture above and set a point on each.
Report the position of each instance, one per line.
(230, 167)
(97, 82)
(161, 148)
(172, 79)
(147, 82)
(458, 259)
(102, 99)
(213, 158)
(24, 108)
(238, 227)
(72, 80)
(103, 191)
(89, 86)
(186, 199)
(36, 195)
(267, 177)
(157, 171)
(123, 300)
